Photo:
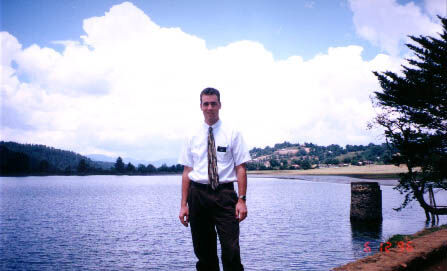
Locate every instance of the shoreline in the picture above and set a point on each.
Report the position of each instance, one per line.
(383, 174)
(427, 253)
(329, 179)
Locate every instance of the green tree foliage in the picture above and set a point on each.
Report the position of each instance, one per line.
(305, 164)
(355, 148)
(285, 144)
(12, 163)
(252, 166)
(141, 168)
(163, 168)
(331, 161)
(178, 168)
(274, 163)
(82, 166)
(151, 168)
(332, 155)
(32, 159)
(119, 165)
(57, 159)
(414, 107)
(44, 166)
(130, 168)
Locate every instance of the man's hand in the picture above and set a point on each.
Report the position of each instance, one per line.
(241, 210)
(184, 215)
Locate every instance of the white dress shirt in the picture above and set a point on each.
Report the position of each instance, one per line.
(231, 151)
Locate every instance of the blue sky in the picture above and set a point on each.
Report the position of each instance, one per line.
(286, 28)
(123, 78)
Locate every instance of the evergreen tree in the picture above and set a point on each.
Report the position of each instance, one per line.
(44, 166)
(414, 107)
(119, 165)
(163, 168)
(82, 166)
(151, 168)
(141, 168)
(13, 162)
(179, 168)
(130, 168)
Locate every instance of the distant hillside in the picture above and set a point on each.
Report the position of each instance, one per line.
(51, 158)
(296, 156)
(32, 159)
(102, 157)
(25, 159)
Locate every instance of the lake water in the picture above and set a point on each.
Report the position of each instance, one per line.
(131, 223)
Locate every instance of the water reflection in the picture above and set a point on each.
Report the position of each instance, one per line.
(365, 238)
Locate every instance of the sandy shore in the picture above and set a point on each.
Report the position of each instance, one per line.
(383, 174)
(372, 170)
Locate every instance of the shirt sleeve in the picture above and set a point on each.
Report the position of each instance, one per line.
(185, 157)
(240, 150)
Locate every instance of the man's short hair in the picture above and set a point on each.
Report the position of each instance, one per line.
(210, 91)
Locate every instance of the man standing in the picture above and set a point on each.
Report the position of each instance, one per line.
(213, 158)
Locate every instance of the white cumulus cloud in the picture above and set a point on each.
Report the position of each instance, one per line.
(130, 87)
(436, 7)
(387, 24)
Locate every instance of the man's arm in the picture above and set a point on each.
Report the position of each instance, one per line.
(184, 210)
(241, 207)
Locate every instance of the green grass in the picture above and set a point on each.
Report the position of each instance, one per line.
(395, 239)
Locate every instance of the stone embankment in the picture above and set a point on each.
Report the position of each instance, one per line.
(427, 250)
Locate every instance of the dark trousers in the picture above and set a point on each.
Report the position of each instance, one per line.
(210, 210)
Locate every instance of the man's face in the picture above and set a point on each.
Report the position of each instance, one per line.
(210, 107)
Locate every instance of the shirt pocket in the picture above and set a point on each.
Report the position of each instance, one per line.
(223, 153)
(197, 152)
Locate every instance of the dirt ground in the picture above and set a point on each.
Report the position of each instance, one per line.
(429, 253)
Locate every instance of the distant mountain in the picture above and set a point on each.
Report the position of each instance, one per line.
(135, 162)
(44, 157)
(168, 162)
(101, 157)
(18, 159)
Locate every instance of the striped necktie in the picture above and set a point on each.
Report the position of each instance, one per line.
(213, 175)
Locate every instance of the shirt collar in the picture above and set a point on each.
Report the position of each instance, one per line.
(215, 125)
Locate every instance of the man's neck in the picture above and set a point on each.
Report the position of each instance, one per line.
(211, 122)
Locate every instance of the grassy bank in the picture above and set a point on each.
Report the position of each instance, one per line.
(395, 239)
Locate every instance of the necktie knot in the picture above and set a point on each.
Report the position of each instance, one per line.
(210, 130)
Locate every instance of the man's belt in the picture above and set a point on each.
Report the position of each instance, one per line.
(225, 186)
